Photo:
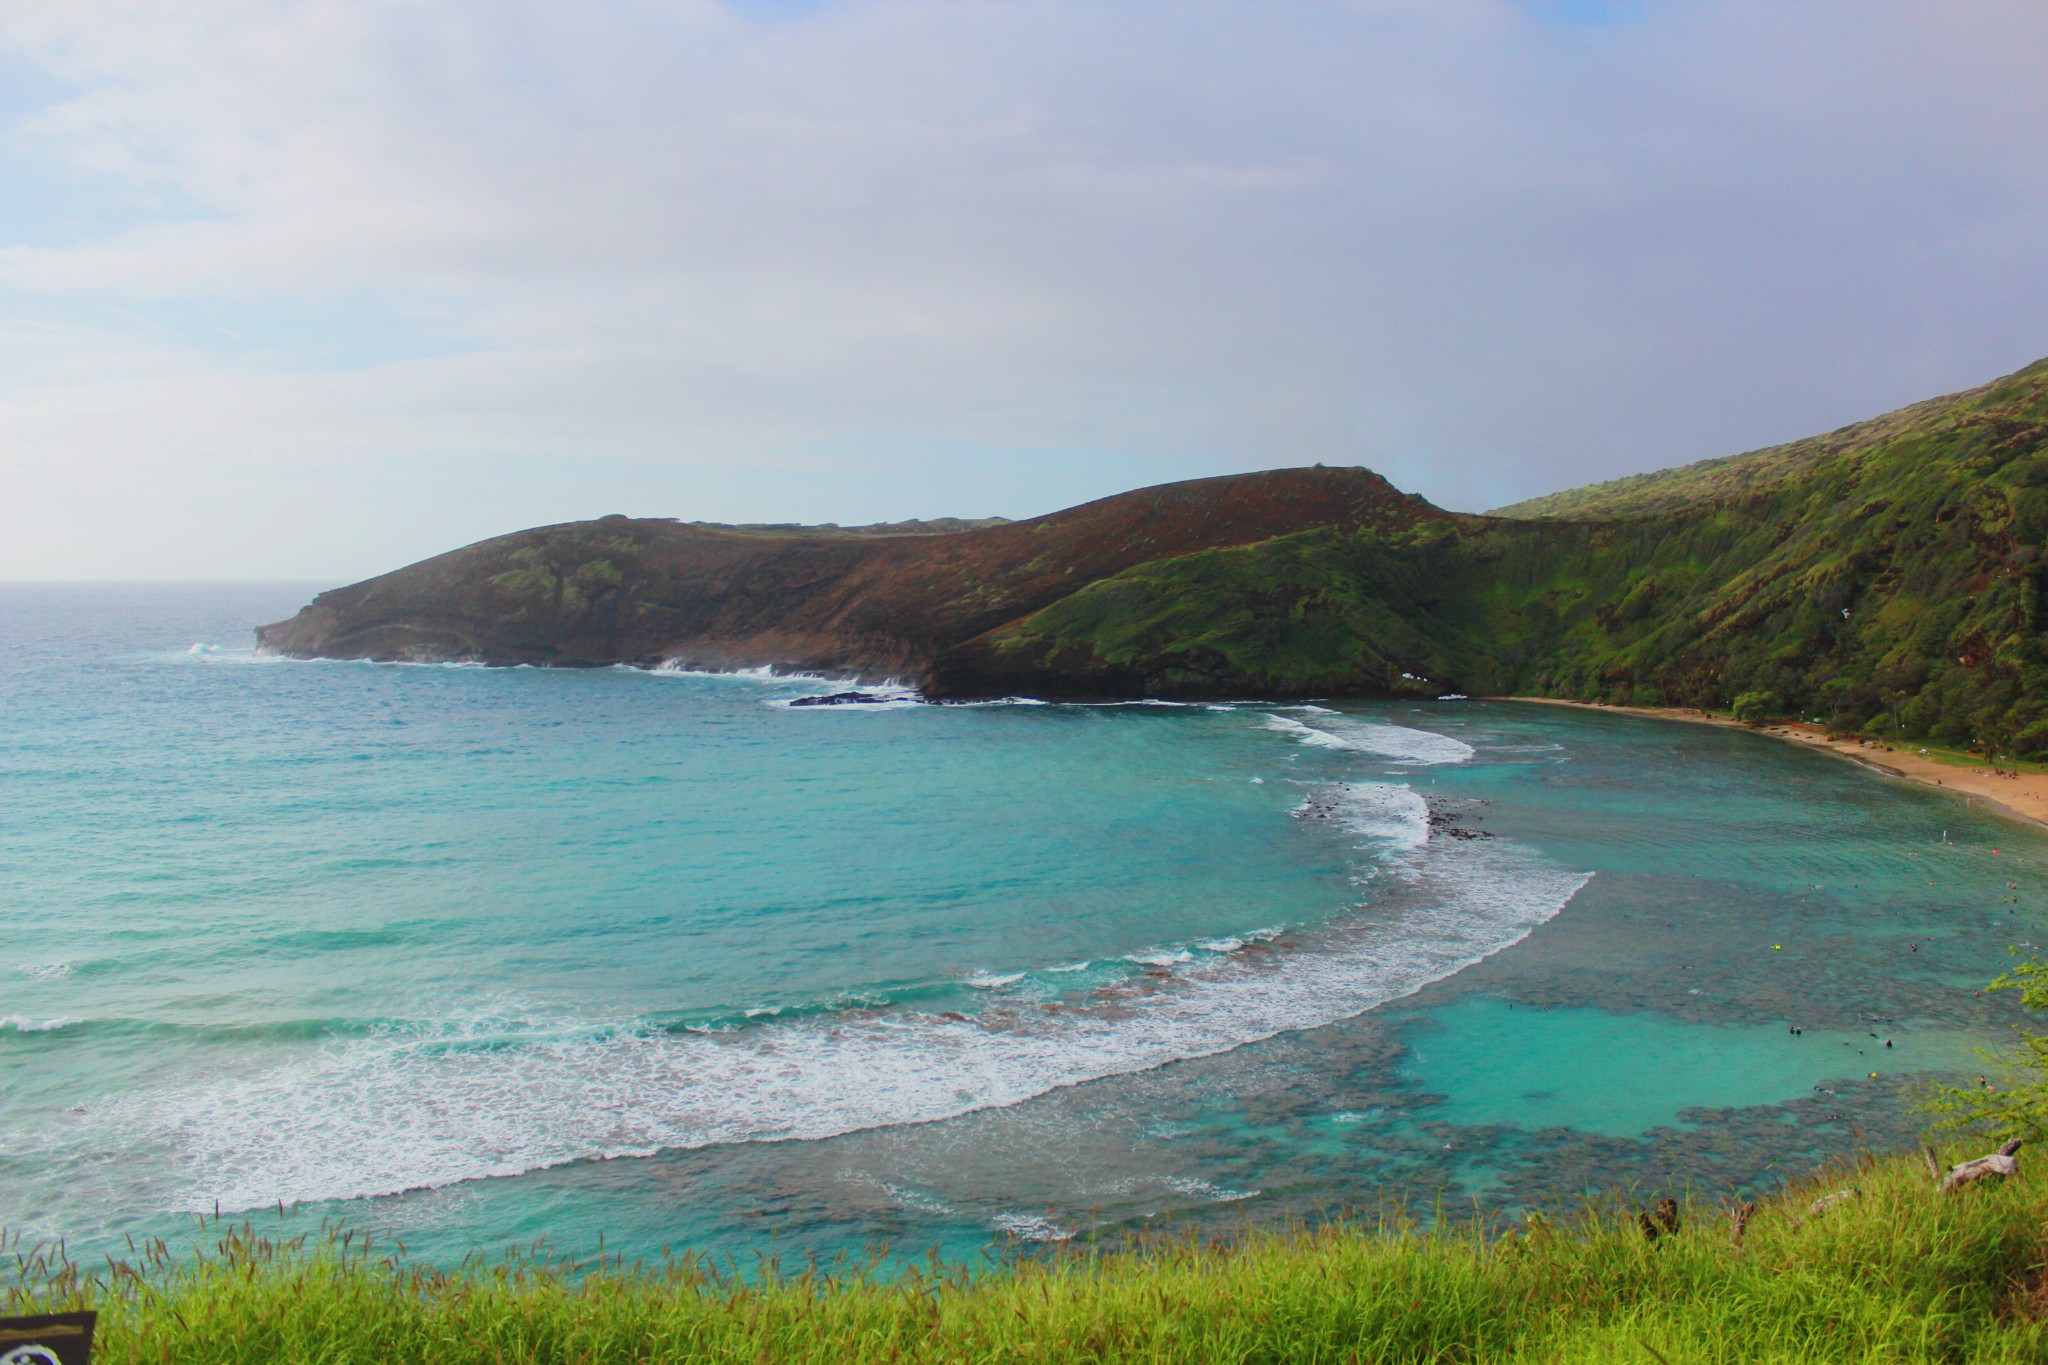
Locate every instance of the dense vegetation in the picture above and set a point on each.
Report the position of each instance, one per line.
(1885, 579)
(1897, 1273)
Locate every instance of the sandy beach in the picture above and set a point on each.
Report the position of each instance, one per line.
(2022, 796)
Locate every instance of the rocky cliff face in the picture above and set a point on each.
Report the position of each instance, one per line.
(646, 591)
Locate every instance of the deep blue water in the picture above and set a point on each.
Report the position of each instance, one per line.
(476, 956)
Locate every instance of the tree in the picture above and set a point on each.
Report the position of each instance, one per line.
(2018, 1108)
(1753, 708)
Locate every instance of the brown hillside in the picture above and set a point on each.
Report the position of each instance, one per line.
(645, 591)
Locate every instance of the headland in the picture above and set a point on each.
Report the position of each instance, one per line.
(1889, 578)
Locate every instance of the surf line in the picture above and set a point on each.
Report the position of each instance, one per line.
(407, 1109)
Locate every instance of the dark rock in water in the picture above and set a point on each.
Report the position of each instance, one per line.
(853, 699)
(1445, 821)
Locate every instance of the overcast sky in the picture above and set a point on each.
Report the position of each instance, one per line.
(306, 291)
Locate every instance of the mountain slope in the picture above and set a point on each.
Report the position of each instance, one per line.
(1731, 476)
(879, 604)
(1887, 578)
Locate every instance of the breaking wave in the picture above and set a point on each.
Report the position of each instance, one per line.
(1397, 742)
(15, 1023)
(406, 1107)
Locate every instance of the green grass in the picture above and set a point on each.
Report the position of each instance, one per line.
(1899, 1274)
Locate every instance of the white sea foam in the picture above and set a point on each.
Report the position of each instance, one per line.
(1029, 1227)
(208, 652)
(765, 673)
(1160, 957)
(19, 1024)
(1384, 811)
(994, 981)
(768, 673)
(1305, 734)
(1236, 943)
(909, 1198)
(674, 668)
(892, 694)
(43, 971)
(260, 655)
(1400, 743)
(455, 1100)
(1203, 1189)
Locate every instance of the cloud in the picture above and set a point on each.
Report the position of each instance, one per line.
(853, 260)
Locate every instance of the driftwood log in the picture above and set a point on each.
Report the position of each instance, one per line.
(1828, 1201)
(2000, 1164)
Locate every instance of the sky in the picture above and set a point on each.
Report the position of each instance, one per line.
(306, 291)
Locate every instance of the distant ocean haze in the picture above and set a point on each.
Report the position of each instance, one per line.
(683, 965)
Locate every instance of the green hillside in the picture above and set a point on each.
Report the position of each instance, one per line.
(1886, 578)
(1734, 476)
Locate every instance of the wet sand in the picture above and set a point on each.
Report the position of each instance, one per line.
(2023, 796)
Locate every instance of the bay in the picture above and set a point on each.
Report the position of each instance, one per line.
(475, 957)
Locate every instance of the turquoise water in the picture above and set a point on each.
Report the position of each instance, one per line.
(1624, 1074)
(473, 957)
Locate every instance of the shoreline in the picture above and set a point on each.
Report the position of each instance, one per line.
(2023, 797)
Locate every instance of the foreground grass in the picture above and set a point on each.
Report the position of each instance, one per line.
(1897, 1274)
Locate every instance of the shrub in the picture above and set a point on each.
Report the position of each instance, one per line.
(2017, 1108)
(1753, 708)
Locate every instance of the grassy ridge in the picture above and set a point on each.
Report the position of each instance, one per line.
(1898, 1274)
(1716, 480)
(1888, 579)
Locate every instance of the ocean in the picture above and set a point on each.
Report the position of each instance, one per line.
(477, 959)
